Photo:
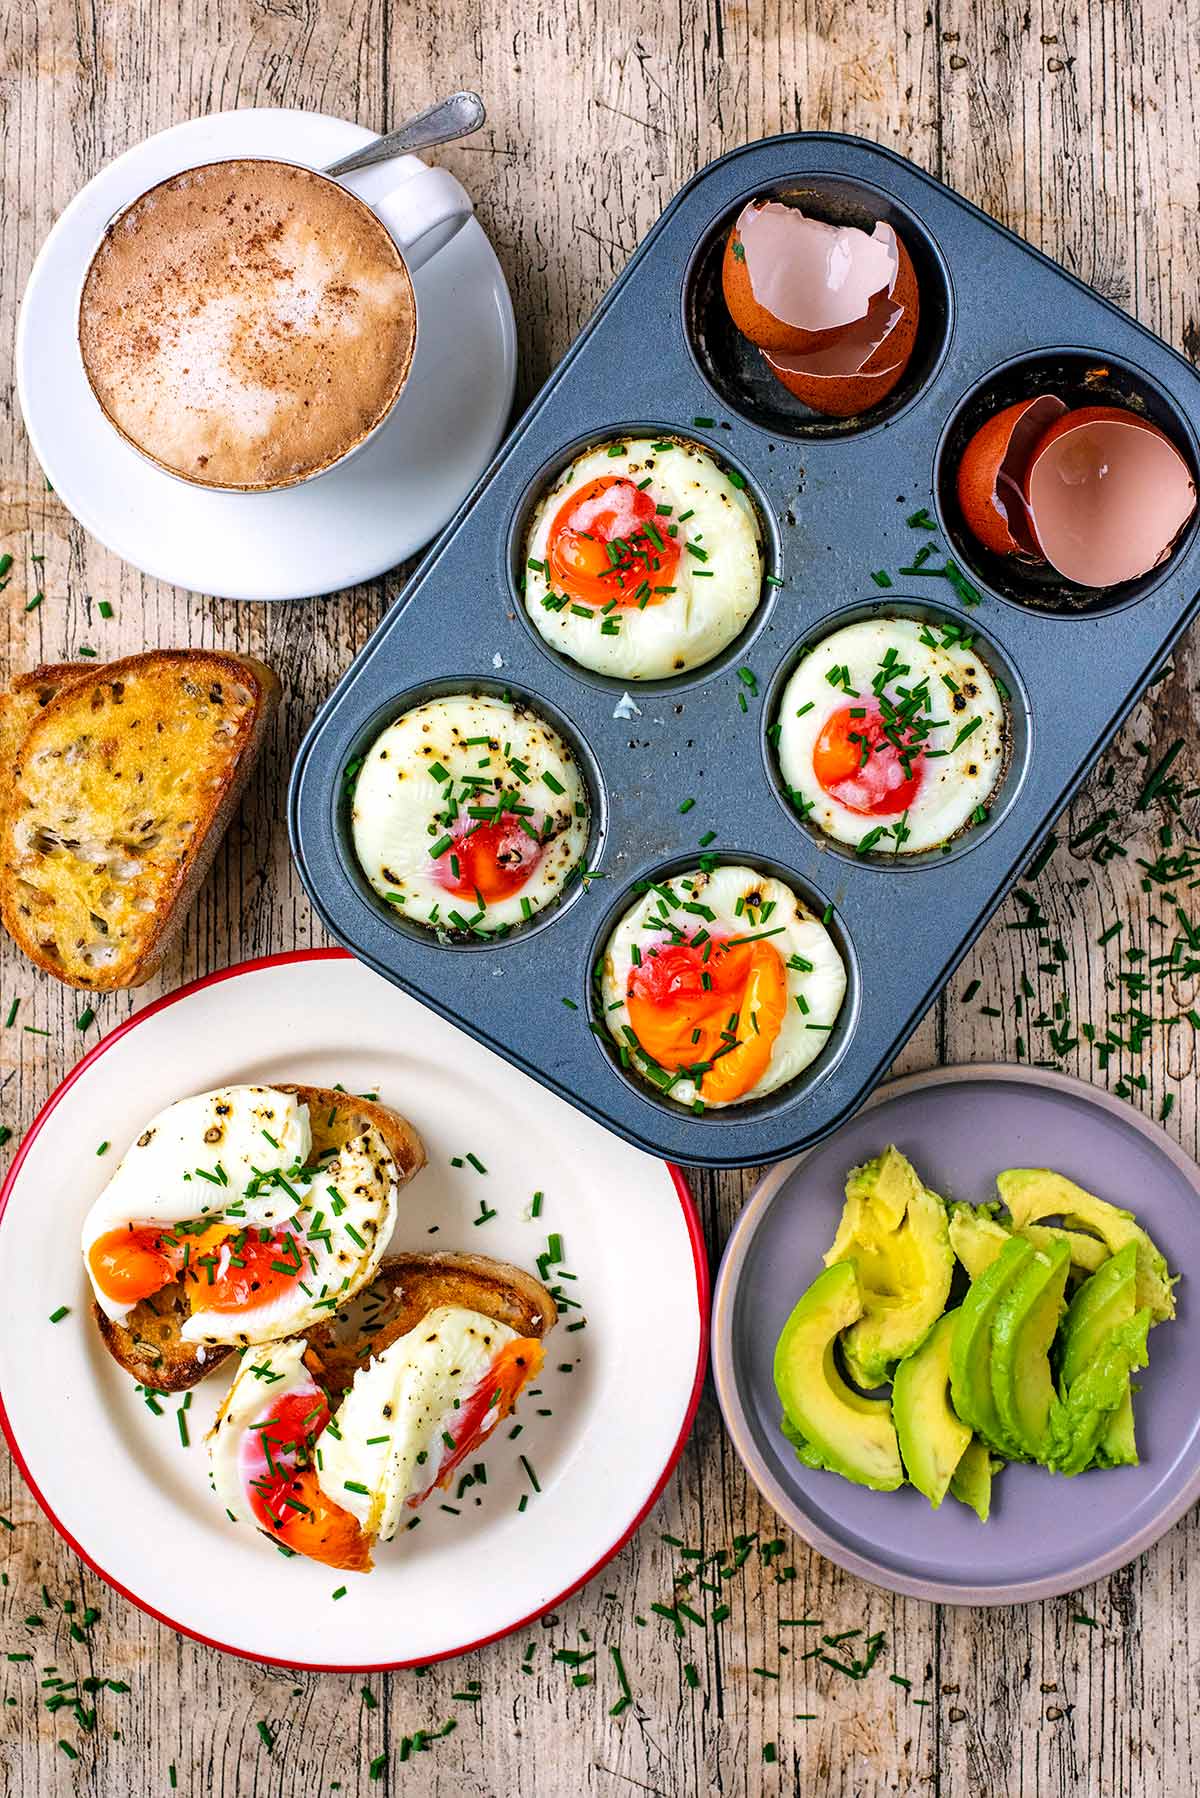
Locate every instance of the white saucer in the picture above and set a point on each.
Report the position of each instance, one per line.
(350, 525)
(615, 1399)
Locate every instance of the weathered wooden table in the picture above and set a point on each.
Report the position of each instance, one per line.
(1078, 127)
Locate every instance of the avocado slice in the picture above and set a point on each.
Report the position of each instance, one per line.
(971, 1481)
(1102, 1303)
(1032, 1193)
(895, 1231)
(841, 1430)
(975, 1236)
(1023, 1329)
(971, 1349)
(932, 1438)
(1077, 1426)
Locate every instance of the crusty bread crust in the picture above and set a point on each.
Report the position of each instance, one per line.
(148, 1344)
(336, 1118)
(409, 1286)
(104, 920)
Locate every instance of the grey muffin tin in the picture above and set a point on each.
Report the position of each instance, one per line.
(998, 321)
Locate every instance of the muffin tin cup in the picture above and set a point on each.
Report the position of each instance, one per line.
(834, 507)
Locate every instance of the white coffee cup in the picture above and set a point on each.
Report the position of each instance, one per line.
(422, 207)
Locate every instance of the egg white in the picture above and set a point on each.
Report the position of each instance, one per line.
(714, 598)
(262, 1380)
(400, 808)
(396, 1410)
(254, 1183)
(803, 1033)
(953, 785)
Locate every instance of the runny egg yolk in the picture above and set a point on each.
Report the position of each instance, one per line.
(609, 544)
(281, 1484)
(862, 767)
(727, 1010)
(493, 859)
(227, 1269)
(491, 1401)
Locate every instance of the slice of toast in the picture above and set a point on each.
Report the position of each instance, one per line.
(148, 1344)
(405, 1289)
(27, 697)
(121, 787)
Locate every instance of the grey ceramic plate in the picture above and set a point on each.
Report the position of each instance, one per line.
(1046, 1534)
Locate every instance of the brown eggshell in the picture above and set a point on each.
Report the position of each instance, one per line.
(839, 390)
(795, 243)
(1107, 494)
(991, 474)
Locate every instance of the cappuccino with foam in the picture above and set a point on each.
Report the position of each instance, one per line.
(247, 324)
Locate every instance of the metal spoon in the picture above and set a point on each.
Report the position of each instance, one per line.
(440, 124)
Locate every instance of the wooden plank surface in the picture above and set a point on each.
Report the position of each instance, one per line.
(1078, 127)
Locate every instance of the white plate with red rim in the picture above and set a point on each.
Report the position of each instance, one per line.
(117, 1481)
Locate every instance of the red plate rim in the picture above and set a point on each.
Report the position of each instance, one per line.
(703, 1295)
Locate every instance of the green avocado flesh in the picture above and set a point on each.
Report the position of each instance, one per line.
(895, 1232)
(932, 1438)
(1025, 1324)
(837, 1427)
(971, 1481)
(977, 1238)
(1079, 1423)
(1101, 1305)
(971, 1348)
(1032, 1193)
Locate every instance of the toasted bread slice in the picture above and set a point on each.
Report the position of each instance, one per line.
(405, 1289)
(122, 786)
(27, 697)
(149, 1344)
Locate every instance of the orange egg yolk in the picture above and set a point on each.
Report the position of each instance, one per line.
(493, 860)
(609, 543)
(490, 1402)
(281, 1484)
(716, 1005)
(862, 768)
(133, 1264)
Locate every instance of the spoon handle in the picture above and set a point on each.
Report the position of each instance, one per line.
(440, 124)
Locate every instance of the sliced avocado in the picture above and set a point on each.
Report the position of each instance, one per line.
(932, 1438)
(976, 1237)
(1102, 1303)
(1032, 1193)
(1087, 1252)
(971, 1481)
(895, 1231)
(841, 1430)
(1023, 1328)
(971, 1350)
(1078, 1425)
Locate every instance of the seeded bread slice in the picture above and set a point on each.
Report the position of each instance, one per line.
(121, 788)
(148, 1344)
(405, 1289)
(27, 697)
